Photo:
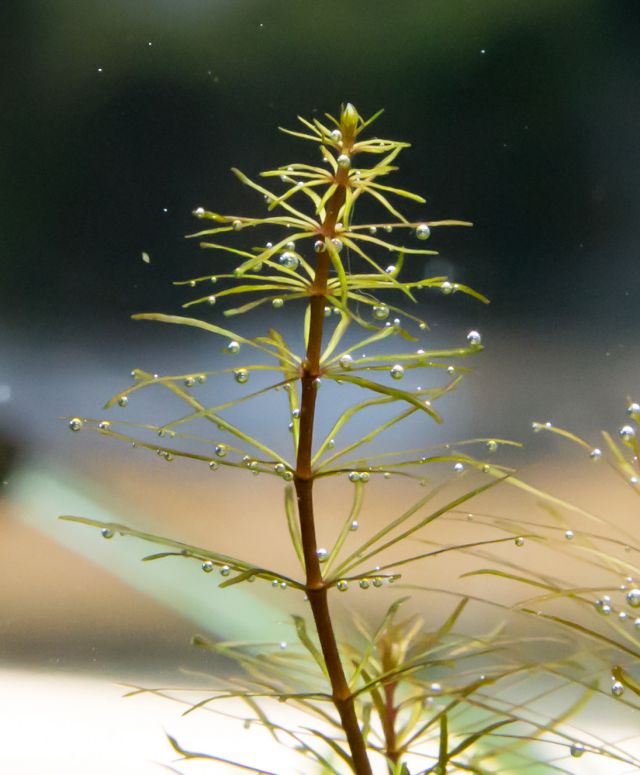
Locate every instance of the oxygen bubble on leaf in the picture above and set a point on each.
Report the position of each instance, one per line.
(451, 369)
(346, 362)
(189, 382)
(295, 413)
(423, 231)
(337, 244)
(633, 480)
(317, 383)
(627, 433)
(595, 454)
(123, 401)
(343, 161)
(474, 338)
(633, 410)
(388, 229)
(213, 465)
(319, 246)
(104, 425)
(623, 616)
(569, 534)
(617, 689)
(280, 468)
(373, 229)
(576, 750)
(390, 269)
(287, 476)
(283, 585)
(446, 287)
(354, 525)
(354, 476)
(283, 645)
(236, 225)
(192, 283)
(519, 541)
(331, 443)
(492, 445)
(364, 584)
(336, 135)
(322, 554)
(633, 597)
(396, 372)
(275, 583)
(199, 212)
(76, 424)
(106, 533)
(277, 303)
(289, 261)
(207, 566)
(436, 688)
(458, 468)
(381, 312)
(342, 585)
(225, 570)
(220, 450)
(290, 245)
(233, 347)
(377, 582)
(241, 376)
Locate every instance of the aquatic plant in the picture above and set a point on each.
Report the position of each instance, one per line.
(372, 691)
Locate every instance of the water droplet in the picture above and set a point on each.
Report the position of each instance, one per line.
(337, 244)
(105, 532)
(236, 225)
(458, 468)
(627, 433)
(617, 689)
(225, 570)
(220, 450)
(423, 231)
(354, 525)
(207, 566)
(569, 534)
(576, 750)
(342, 585)
(123, 401)
(76, 424)
(289, 260)
(474, 338)
(397, 371)
(446, 287)
(519, 541)
(364, 584)
(633, 597)
(241, 376)
(346, 361)
(595, 454)
(277, 303)
(343, 161)
(381, 312)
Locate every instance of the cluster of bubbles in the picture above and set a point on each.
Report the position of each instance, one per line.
(604, 606)
(358, 476)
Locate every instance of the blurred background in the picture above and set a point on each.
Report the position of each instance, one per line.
(118, 119)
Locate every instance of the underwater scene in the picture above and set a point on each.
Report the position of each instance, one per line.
(320, 387)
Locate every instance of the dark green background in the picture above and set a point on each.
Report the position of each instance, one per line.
(535, 140)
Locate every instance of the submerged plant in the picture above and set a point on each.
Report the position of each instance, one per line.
(373, 693)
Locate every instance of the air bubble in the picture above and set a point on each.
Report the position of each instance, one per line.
(397, 371)
(446, 288)
(236, 225)
(337, 244)
(633, 597)
(342, 585)
(346, 361)
(233, 347)
(277, 303)
(199, 212)
(381, 312)
(220, 450)
(364, 584)
(354, 476)
(458, 468)
(322, 555)
(423, 231)
(492, 445)
(627, 433)
(319, 246)
(225, 570)
(617, 689)
(189, 382)
(519, 541)
(595, 454)
(377, 582)
(289, 261)
(336, 135)
(576, 750)
(474, 338)
(207, 566)
(569, 534)
(76, 424)
(104, 425)
(241, 376)
(105, 532)
(343, 161)
(123, 401)
(354, 525)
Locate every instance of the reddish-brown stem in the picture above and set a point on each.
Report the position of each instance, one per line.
(316, 590)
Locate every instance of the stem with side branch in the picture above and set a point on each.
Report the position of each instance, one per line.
(316, 589)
